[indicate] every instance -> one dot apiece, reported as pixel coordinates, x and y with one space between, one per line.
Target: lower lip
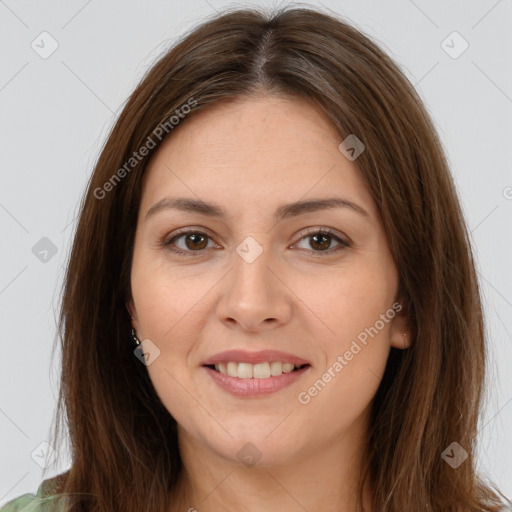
255 387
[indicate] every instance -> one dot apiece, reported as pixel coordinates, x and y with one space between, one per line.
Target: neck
321 477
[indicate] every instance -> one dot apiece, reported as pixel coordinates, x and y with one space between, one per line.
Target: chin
257 447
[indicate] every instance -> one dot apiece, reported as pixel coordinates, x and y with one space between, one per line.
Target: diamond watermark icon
454 45
249 455
44 45
44 250
44 455
454 455
352 147
147 352
249 249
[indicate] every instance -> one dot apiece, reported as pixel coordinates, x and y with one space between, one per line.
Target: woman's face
255 275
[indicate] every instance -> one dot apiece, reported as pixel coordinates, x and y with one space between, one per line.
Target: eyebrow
284 211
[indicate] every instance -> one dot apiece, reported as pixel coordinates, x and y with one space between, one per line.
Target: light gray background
56 113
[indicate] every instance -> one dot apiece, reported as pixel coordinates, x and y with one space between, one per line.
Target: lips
254 387
263 356
258 374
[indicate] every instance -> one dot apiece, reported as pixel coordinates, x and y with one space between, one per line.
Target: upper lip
263 356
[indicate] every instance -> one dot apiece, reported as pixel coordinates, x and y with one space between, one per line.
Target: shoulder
42 501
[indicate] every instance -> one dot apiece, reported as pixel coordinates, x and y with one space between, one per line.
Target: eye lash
343 244
167 242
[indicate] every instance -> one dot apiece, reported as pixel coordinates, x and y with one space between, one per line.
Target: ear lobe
401 340
401 336
130 307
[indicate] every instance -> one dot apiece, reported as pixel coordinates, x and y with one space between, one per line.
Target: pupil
194 239
325 237
321 245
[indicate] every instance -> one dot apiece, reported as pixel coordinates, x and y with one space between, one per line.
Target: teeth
260 371
288 367
276 368
256 371
232 369
244 370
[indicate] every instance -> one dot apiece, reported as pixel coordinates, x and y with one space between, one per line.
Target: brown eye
197 241
194 242
321 240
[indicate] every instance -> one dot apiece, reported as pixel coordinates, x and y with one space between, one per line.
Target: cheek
172 310
349 300
343 388
348 393
164 296
356 315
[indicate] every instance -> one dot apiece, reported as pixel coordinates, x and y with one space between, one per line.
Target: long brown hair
123 441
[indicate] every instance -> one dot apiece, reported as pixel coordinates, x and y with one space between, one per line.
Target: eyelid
343 240
329 231
166 240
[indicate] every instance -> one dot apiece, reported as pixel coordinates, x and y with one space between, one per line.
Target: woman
271 301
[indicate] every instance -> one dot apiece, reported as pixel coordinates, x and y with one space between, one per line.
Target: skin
250 156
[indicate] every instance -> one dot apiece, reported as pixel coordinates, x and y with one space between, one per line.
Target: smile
250 386
251 374
255 371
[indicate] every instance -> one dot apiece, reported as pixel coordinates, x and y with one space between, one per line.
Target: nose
255 296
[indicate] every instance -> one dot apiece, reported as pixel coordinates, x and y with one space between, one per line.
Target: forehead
260 151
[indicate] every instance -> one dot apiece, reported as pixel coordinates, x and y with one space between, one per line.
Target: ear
400 331
130 306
